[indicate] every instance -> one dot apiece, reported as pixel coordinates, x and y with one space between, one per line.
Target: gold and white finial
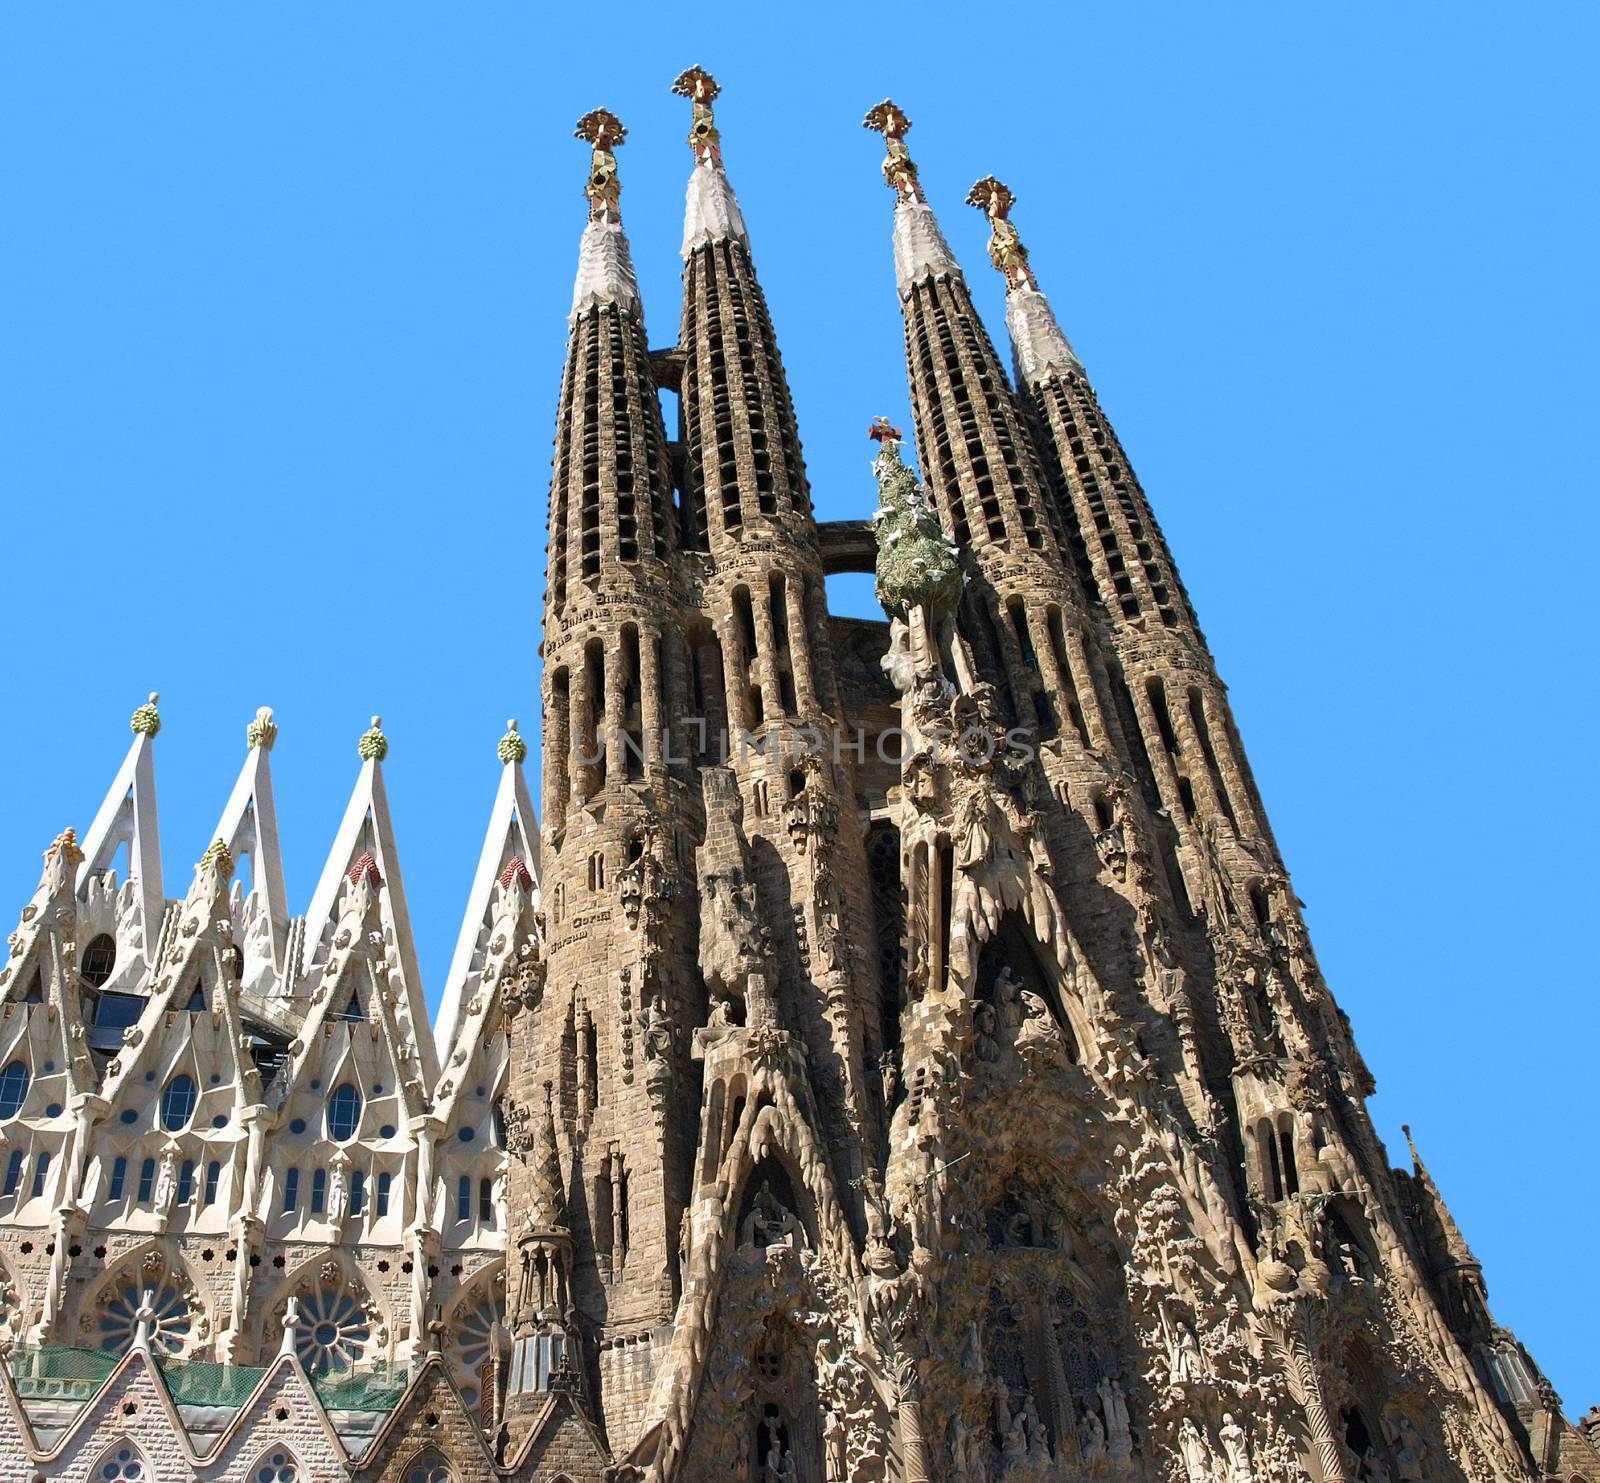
261 733
374 745
146 721
512 748
995 199
603 131
701 89
899 169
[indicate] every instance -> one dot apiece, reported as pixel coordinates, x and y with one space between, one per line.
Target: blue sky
282 310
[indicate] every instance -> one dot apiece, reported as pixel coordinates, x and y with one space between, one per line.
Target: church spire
605 266
1036 339
920 250
711 211
128 817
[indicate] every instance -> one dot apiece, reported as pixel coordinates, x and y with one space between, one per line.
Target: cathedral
892 1053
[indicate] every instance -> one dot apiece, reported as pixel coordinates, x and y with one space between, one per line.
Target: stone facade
898 1057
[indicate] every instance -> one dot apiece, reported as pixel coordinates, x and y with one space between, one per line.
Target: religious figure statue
768 1223
1195 1451
1236 1448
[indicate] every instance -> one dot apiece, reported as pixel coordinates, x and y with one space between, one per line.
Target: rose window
278 1467
122 1466
333 1331
119 1317
472 1328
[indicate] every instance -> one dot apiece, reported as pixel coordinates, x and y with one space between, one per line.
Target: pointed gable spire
605 266
1448 1233
920 250
711 211
510 856
364 856
249 826
1037 339
128 816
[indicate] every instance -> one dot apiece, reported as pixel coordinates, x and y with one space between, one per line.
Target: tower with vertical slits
895 1054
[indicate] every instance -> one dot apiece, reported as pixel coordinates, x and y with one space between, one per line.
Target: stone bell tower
602 1091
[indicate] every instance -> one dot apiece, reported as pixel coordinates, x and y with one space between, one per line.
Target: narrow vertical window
358 1192
464 1197
486 1202
383 1194
119 1177
291 1190
213 1175
186 1182
41 1167
319 1191
13 1171
147 1181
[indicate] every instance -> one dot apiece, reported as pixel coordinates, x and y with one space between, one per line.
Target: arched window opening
358 1192
1291 1174
147 1181
591 719
99 958
429 1468
186 1182
177 1103
14 1081
633 738
213 1176
14 1163
119 1178
1157 695
384 1181
889 923
278 1466
122 1464
319 1191
291 1190
591 1062
344 1112
1267 1156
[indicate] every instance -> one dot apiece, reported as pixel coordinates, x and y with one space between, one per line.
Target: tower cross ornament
604 132
899 170
701 88
995 199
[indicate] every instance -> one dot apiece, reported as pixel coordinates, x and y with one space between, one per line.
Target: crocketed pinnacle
916 565
605 266
711 211
146 721
1036 339
548 1207
920 250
